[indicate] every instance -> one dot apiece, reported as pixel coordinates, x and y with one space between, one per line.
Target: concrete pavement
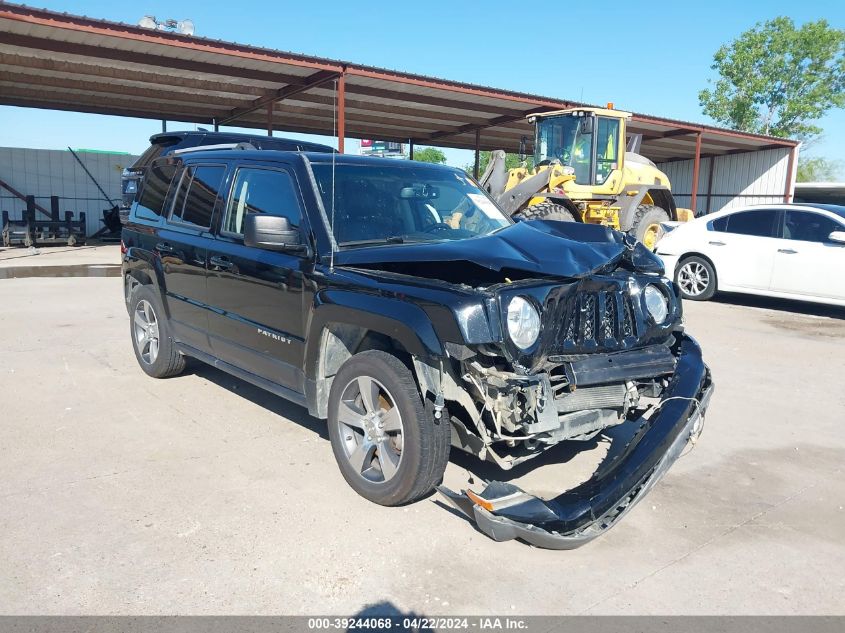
120 494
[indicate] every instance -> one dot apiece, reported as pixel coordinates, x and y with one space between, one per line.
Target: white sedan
790 251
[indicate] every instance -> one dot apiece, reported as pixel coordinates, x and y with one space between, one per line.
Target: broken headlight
656 304
523 322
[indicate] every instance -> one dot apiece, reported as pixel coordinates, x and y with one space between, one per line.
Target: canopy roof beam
312 81
500 120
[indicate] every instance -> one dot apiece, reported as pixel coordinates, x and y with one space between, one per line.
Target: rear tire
646 225
149 329
388 446
546 211
696 278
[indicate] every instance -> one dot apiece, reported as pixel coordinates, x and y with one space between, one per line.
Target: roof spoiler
203 148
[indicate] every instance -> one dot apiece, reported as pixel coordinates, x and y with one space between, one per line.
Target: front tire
388 446
646 225
152 342
696 278
546 211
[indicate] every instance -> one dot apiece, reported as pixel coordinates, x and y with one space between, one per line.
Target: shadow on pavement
560 454
273 403
406 620
478 471
781 305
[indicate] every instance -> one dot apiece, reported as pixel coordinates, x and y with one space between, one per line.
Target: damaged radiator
603 397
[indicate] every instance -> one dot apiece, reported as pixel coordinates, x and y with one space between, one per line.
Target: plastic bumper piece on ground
633 465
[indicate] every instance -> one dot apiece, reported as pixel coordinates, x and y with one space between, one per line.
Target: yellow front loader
586 170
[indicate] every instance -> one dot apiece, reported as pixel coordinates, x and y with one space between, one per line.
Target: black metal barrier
31 232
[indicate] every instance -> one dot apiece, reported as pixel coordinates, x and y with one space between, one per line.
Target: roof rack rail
203 148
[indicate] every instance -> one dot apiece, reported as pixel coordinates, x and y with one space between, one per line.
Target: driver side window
261 190
607 148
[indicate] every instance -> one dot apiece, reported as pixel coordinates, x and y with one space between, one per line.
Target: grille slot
600 319
588 318
628 320
608 320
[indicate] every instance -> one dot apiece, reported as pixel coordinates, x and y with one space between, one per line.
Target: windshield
564 138
398 203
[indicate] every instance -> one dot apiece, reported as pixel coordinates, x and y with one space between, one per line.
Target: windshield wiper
393 239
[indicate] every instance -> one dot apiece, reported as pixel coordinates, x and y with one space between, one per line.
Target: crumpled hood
564 249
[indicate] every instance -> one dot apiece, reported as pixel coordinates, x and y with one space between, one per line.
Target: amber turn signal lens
487 505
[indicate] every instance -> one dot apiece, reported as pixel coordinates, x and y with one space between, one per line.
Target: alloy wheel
693 278
145 325
370 428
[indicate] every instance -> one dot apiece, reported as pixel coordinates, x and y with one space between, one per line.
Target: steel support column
411 149
163 125
710 184
341 110
788 188
696 166
216 126
270 119
477 162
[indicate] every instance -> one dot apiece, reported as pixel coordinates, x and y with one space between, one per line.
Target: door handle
164 247
220 262
716 243
787 251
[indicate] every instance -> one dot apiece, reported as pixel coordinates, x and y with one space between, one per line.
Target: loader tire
646 225
546 211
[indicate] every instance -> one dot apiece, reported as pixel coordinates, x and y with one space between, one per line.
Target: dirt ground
120 494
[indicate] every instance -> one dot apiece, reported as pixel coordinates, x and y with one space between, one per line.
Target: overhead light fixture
185 27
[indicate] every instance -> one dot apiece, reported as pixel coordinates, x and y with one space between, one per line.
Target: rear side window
257 190
154 192
808 226
197 195
760 223
150 154
720 224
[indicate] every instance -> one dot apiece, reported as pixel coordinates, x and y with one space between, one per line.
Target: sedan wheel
696 279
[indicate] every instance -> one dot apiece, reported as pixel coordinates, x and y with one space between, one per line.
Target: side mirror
522 143
587 125
837 236
271 233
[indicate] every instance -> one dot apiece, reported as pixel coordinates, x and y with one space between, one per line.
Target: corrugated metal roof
68 62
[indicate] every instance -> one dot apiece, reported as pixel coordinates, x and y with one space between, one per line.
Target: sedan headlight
523 322
656 304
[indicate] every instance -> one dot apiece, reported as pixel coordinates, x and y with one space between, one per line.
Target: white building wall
45 172
738 179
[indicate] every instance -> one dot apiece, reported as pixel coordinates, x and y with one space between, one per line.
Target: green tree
430 155
818 169
777 79
511 161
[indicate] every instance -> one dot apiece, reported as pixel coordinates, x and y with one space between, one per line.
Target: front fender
400 320
659 194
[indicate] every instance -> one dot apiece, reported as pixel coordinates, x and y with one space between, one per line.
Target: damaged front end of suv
593 345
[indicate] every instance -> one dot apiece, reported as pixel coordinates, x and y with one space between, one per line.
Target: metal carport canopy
68 62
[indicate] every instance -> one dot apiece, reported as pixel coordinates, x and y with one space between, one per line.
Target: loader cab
590 141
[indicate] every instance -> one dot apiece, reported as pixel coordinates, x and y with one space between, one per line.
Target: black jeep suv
396 300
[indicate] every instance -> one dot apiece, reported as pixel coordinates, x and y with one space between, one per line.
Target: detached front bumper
633 465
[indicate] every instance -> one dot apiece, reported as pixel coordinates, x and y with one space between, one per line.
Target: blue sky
650 57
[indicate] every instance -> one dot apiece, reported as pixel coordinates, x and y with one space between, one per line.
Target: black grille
602 319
